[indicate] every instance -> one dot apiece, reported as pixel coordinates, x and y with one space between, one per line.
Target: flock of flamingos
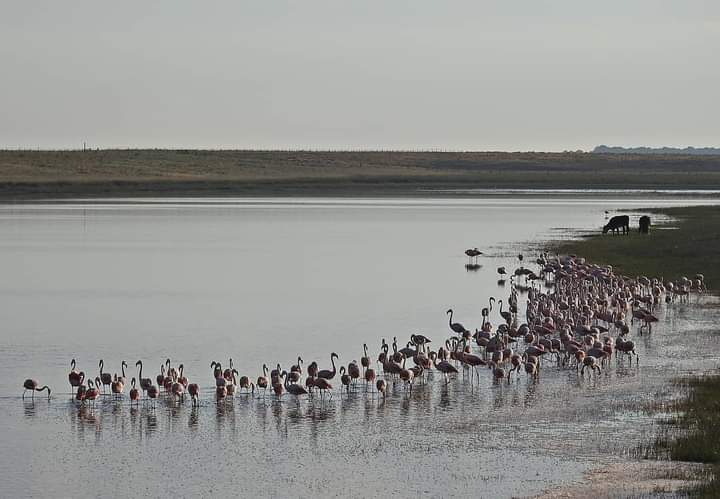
580 322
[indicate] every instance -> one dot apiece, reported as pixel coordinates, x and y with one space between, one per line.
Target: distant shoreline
32 175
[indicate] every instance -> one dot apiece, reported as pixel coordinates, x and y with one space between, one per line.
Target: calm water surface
266 280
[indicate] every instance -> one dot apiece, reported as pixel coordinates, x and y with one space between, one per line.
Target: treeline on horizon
689 151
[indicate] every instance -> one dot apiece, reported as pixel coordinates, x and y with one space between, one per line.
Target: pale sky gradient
475 75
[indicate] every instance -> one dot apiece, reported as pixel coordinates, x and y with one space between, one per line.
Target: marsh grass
352 173
698 438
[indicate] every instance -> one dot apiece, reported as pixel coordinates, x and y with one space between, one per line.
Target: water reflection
194 419
349 443
29 406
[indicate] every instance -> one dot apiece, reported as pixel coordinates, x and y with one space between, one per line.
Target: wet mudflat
266 281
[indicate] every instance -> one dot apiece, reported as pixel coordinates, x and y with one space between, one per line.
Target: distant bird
520 257
501 271
32 385
472 254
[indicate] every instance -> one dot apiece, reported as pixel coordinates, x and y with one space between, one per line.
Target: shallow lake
266 280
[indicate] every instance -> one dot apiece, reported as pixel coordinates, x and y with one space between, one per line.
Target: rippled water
263 281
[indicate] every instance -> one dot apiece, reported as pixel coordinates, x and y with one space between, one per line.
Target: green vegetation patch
689 244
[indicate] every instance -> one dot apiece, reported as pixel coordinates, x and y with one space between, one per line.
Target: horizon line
301 149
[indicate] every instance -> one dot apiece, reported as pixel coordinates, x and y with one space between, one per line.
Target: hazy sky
477 75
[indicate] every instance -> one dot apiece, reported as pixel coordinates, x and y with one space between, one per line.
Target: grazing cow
617 223
644 227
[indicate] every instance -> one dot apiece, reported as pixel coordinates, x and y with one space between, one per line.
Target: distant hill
691 151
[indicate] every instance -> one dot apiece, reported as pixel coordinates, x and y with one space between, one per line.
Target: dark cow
644 227
620 222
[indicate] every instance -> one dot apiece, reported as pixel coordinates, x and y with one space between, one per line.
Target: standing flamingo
326 373
80 394
145 383
217 369
194 391
323 385
505 314
369 377
444 367
152 392
123 365
181 378
262 381
365 360
382 387
178 390
106 378
456 327
220 393
75 378
134 393
160 378
32 385
297 368
344 379
117 386
278 387
354 371
93 392
293 389
244 382
228 373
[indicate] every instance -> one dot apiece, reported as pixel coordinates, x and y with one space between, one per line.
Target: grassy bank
697 416
686 245
38 174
